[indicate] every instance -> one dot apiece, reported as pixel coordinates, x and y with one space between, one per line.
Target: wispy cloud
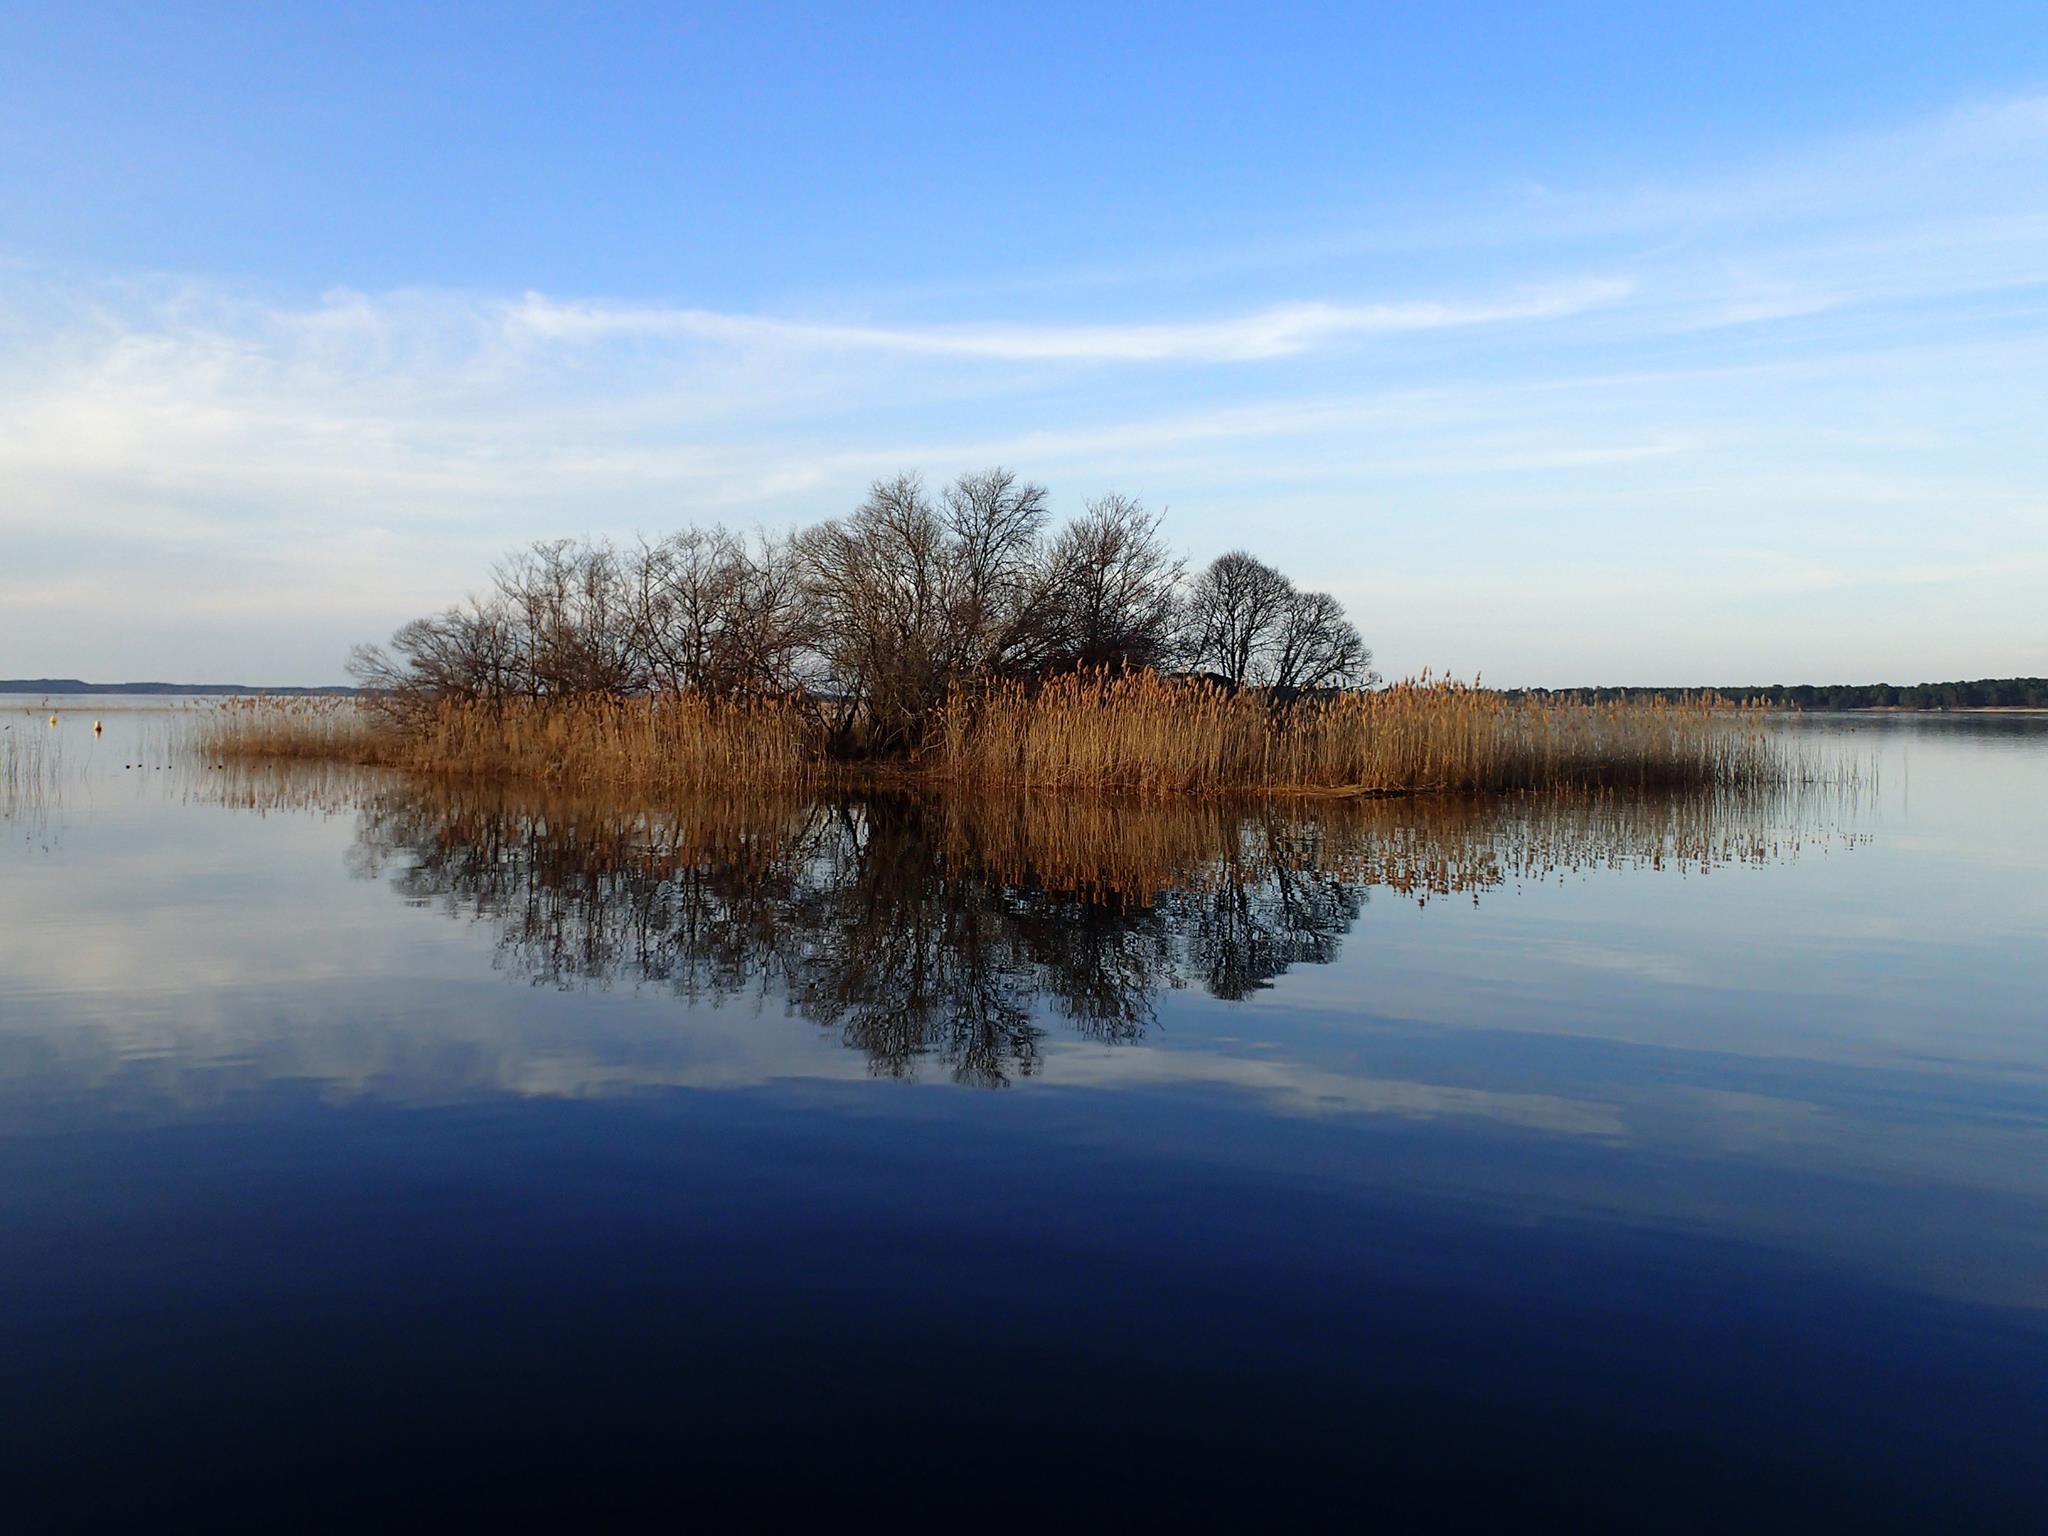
1282 331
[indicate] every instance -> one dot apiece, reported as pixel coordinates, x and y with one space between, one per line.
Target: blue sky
1581 343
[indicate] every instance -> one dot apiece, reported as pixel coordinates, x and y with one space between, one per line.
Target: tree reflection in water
946 929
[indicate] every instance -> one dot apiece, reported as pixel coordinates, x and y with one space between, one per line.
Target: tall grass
31 767
1140 735
1146 734
689 742
317 727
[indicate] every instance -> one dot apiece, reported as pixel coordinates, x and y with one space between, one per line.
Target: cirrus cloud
1281 331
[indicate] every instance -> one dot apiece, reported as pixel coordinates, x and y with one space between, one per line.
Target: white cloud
1282 331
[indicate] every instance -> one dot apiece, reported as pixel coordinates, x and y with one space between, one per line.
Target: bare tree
774 635
715 613
877 588
1113 590
909 596
994 521
1237 605
1252 626
684 590
573 618
466 652
1313 646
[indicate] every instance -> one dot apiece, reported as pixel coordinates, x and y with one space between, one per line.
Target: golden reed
1132 734
686 742
1145 734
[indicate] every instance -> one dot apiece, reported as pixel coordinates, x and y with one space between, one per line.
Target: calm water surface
371 1154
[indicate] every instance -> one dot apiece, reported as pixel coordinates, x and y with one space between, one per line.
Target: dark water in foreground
369 1156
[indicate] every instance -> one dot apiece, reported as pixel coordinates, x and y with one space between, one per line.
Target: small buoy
53 719
96 727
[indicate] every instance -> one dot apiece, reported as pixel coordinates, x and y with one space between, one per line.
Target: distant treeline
1984 693
74 685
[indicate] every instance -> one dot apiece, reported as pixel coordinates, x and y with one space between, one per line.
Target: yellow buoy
53 719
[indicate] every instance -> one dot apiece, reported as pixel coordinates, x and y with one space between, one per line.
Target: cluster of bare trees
701 610
878 614
1254 628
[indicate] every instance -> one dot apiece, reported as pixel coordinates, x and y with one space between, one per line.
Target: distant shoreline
1937 709
73 685
1982 695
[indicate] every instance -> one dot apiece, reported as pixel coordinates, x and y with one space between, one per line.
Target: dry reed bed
1152 735
687 742
1139 735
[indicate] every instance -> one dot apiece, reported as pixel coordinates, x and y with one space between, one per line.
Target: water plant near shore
31 767
1140 734
1148 734
678 741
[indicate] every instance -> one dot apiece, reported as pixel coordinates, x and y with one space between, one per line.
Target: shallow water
367 1149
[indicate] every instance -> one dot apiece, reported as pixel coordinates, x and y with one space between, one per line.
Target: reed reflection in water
951 930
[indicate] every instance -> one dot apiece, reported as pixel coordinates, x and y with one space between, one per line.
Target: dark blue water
370 1155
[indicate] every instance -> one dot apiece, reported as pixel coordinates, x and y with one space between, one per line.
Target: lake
371 1151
